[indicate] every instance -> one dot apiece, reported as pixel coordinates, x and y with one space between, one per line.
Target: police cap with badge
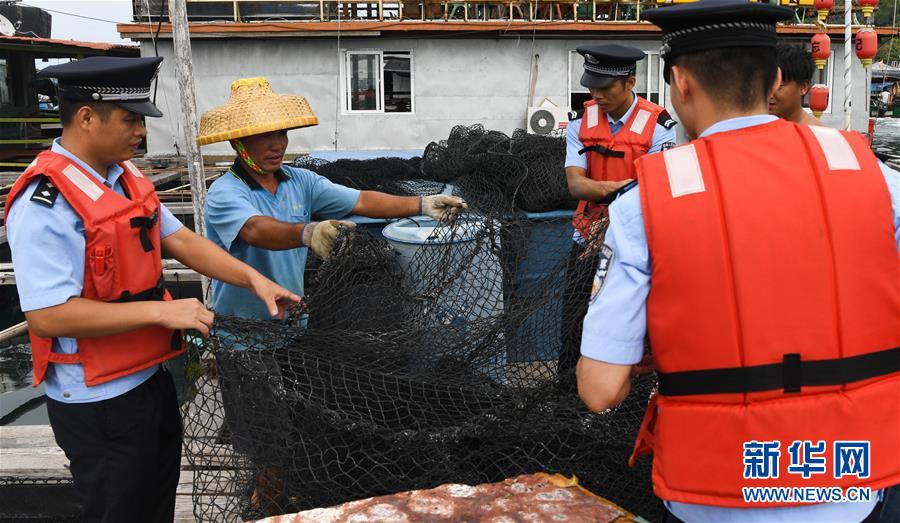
604 63
125 82
715 24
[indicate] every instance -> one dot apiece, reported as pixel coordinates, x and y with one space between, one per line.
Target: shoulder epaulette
45 192
665 120
574 115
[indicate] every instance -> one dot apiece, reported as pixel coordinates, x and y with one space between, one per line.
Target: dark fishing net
431 360
397 176
532 176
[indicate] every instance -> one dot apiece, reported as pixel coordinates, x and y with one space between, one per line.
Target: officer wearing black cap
86 231
741 254
603 140
124 82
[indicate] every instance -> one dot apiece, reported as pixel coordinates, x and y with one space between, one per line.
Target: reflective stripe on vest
611 157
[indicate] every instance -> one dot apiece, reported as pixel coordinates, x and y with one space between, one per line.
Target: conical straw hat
254 109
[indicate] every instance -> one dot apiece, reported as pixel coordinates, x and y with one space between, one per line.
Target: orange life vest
611 157
122 263
774 311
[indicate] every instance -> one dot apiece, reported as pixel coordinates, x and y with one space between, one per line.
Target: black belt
145 223
604 151
789 375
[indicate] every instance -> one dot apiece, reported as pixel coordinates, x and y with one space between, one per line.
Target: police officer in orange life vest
86 231
603 140
773 298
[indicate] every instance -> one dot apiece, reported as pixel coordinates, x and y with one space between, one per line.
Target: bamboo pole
12 332
181 39
848 64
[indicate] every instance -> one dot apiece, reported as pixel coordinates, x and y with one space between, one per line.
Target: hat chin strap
248 160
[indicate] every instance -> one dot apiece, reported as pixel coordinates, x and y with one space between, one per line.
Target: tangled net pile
416 367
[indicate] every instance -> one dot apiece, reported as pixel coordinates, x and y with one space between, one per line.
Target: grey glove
442 207
320 236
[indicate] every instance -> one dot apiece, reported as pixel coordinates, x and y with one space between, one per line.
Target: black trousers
125 452
575 299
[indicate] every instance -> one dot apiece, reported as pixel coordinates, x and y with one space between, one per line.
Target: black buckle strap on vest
156 293
604 151
145 223
790 375
177 336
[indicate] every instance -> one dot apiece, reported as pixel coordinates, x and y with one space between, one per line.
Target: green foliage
883 49
884 15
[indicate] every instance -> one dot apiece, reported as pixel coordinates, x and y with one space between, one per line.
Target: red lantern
818 99
866 45
822 7
821 49
867 6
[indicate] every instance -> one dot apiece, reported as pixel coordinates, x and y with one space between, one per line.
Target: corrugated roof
44 45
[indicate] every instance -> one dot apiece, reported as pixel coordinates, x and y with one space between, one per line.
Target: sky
69 27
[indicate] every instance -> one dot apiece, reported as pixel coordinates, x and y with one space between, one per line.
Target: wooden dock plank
30 451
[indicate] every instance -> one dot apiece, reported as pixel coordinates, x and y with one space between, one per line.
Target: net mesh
417 364
397 176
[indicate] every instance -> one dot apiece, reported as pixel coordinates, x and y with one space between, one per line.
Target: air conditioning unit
546 118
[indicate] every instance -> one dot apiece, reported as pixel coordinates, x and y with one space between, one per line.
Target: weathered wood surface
173 271
30 451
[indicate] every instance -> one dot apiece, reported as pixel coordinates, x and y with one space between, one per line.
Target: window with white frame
578 94
379 81
5 98
647 80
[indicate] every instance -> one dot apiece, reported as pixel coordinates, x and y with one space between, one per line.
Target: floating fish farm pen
426 354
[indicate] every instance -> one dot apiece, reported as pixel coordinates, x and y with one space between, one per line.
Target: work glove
442 207
320 236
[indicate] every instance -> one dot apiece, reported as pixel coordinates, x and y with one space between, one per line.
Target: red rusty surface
71 44
531 498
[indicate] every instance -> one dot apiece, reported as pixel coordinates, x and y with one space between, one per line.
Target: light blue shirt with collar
301 197
616 323
47 245
661 135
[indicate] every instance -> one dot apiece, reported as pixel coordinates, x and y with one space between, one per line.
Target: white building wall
456 82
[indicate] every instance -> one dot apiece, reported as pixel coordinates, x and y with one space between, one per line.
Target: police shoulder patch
666 146
45 193
574 115
665 120
604 261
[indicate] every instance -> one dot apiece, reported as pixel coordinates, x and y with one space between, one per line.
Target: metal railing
425 10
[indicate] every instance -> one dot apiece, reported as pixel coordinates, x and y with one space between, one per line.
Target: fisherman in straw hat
262 211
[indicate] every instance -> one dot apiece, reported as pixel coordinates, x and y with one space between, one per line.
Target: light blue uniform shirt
47 245
661 135
236 197
616 322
